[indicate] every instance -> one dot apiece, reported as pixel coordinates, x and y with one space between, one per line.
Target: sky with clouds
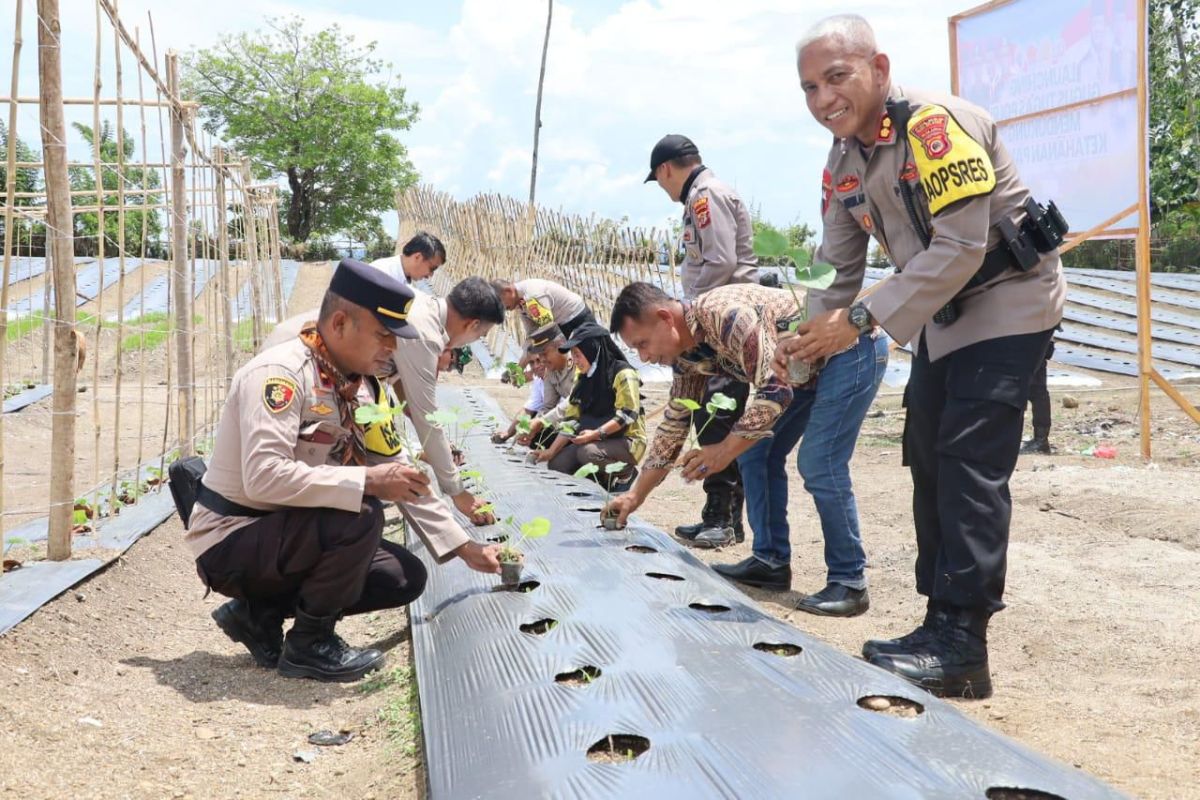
620 74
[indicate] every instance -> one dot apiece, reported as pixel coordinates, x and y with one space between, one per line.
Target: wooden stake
59 240
180 272
1145 364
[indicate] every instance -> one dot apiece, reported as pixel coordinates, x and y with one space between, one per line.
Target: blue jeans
834 412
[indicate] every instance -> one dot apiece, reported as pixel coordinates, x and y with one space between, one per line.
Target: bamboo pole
120 365
1145 364
182 280
276 264
58 235
101 240
10 185
225 294
141 430
249 230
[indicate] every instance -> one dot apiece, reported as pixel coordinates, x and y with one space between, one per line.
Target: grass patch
243 335
23 326
154 328
400 713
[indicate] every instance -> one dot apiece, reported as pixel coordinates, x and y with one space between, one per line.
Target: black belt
220 504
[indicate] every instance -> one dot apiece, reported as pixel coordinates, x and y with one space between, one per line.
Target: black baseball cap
381 294
673 145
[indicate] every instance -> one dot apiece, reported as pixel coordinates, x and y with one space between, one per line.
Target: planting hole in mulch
580 494
524 587
580 677
778 649
590 509
1005 793
539 627
890 704
498 539
709 608
617 748
664 576
640 548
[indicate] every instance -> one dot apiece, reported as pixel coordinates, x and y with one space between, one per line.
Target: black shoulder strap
900 113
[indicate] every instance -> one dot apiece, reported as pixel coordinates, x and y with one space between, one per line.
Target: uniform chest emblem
931 132
847 184
321 408
868 224
909 173
278 394
700 211
826 190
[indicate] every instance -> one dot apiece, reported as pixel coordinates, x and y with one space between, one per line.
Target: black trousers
728 480
574 322
1039 394
324 560
962 434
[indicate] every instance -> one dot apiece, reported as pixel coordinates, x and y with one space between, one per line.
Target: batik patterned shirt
735 328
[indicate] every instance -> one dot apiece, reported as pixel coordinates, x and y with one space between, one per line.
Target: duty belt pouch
184 476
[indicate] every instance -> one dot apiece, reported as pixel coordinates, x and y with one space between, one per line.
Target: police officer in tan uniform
288 517
540 302
718 251
978 291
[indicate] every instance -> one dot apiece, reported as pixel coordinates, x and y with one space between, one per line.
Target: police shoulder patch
278 393
952 165
701 212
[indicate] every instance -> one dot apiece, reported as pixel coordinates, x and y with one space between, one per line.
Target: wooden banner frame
1147 374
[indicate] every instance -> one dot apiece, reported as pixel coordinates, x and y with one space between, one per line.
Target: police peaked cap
381 294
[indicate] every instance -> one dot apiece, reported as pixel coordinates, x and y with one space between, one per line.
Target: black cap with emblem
673 145
381 294
540 339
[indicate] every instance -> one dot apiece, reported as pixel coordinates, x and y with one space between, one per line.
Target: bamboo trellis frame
200 193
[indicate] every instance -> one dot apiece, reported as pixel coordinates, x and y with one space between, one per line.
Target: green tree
28 179
798 235
1174 109
135 177
310 107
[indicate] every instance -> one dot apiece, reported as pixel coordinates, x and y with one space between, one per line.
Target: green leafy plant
771 244
516 374
611 472
718 402
536 528
376 413
568 427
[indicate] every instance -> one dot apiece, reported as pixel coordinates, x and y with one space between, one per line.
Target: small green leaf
615 467
79 517
372 413
470 473
818 276
441 418
800 257
586 471
486 508
720 402
690 405
535 528
770 244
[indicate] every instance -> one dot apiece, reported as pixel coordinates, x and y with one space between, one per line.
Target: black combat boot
689 532
1040 443
717 530
256 624
739 505
953 662
902 644
313 650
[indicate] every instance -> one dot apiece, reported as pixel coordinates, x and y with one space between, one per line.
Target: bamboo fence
155 377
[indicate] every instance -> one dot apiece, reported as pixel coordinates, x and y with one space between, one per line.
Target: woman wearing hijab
607 406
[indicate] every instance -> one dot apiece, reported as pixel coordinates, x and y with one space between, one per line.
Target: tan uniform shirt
415 379
557 386
276 451
717 237
544 302
861 199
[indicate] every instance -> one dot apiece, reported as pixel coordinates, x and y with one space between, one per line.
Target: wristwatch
860 318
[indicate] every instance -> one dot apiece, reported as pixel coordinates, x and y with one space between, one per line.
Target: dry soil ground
124 687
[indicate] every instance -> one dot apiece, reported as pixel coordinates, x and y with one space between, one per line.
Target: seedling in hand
511 557
609 521
718 402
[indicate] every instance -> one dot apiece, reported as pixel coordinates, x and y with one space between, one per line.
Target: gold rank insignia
886 131
321 408
278 394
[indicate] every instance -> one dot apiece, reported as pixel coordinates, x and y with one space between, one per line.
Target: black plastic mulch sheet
731 702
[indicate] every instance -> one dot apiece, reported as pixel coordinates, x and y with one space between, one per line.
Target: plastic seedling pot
610 522
510 572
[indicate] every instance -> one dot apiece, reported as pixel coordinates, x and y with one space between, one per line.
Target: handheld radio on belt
1021 244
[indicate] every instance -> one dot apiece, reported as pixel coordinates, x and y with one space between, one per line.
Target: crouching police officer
978 291
288 519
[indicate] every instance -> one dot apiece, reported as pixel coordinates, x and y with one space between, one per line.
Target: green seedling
718 402
568 427
771 244
611 471
376 413
516 374
524 424
536 528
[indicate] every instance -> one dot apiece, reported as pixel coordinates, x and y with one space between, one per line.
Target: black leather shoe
954 660
312 650
261 632
753 572
836 600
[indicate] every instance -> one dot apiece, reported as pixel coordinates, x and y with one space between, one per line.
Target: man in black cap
558 380
288 518
718 248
